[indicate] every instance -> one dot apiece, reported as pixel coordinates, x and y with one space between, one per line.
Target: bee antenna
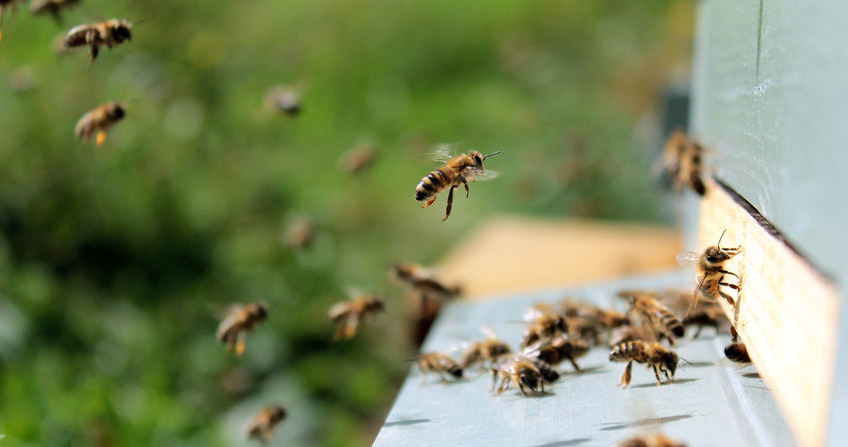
493 153
718 244
687 361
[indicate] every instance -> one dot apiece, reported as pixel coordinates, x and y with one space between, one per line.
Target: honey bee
240 321
52 7
653 354
423 282
358 159
4 5
300 233
110 33
712 273
348 314
435 362
555 350
654 440
456 172
261 426
545 326
655 315
682 161
523 373
283 100
484 351
99 121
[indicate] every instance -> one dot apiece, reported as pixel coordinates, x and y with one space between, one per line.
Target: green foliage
116 262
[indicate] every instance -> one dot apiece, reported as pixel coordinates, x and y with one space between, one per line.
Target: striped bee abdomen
626 351
671 322
431 184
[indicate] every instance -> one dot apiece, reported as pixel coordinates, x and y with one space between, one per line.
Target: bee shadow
699 364
566 443
405 422
518 396
752 375
586 371
610 426
654 385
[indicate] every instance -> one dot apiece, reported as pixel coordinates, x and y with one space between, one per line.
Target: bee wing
473 174
442 154
337 310
688 258
490 332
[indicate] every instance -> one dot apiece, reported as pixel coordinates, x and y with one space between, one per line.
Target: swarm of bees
348 314
110 33
457 171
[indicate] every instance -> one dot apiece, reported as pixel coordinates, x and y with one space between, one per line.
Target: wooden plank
713 402
512 254
787 311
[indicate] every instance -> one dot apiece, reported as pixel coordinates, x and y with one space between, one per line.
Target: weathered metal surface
713 401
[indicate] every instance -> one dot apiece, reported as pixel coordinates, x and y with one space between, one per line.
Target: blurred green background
116 262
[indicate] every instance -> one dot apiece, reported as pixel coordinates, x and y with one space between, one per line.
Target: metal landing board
712 403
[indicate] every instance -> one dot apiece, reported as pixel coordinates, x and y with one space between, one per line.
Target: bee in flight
4 5
358 159
457 171
712 272
261 426
283 100
348 314
99 121
52 7
110 33
240 321
682 160
653 354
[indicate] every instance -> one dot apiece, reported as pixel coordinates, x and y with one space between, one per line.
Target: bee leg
729 273
93 51
430 202
625 378
657 375
698 332
450 204
465 183
728 298
732 286
240 345
574 364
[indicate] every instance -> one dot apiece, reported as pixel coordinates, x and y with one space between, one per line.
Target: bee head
669 361
378 303
117 110
476 157
499 349
716 255
278 413
123 30
530 377
260 311
456 372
